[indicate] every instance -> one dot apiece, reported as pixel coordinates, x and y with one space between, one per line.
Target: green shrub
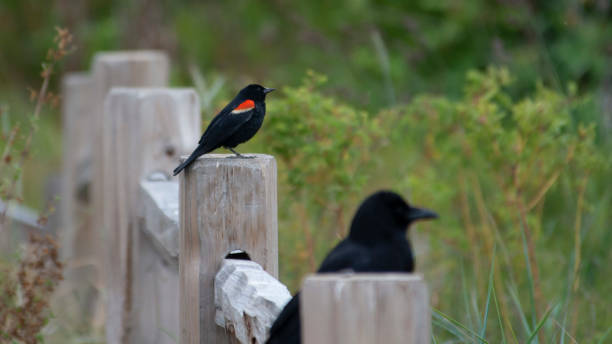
509 176
517 181
323 147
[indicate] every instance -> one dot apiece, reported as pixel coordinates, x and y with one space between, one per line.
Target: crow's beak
421 214
268 90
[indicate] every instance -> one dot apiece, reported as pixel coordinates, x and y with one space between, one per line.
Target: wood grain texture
78 239
76 234
160 216
156 302
155 313
225 204
115 69
248 300
143 132
365 308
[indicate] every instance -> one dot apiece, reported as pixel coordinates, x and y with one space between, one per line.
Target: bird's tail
196 153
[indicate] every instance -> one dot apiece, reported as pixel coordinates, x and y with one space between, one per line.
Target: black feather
229 129
376 243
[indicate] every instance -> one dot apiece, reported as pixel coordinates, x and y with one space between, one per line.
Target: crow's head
384 213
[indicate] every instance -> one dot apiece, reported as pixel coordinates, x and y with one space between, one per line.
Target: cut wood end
248 299
229 158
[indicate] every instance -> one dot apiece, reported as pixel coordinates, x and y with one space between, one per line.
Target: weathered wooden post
143 132
76 234
247 300
365 308
81 234
156 310
225 204
115 69
77 115
118 69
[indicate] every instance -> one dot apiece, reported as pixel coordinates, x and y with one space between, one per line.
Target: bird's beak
421 214
268 90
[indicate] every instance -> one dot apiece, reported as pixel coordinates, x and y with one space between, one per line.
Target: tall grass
519 183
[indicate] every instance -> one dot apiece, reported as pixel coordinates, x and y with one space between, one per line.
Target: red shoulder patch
245 105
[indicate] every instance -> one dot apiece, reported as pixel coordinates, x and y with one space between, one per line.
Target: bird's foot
239 156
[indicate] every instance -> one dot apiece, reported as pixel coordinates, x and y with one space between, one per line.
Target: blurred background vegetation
497 114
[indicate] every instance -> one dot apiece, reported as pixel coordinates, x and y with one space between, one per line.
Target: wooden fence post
78 91
247 300
225 204
144 131
115 69
119 69
76 235
156 310
365 308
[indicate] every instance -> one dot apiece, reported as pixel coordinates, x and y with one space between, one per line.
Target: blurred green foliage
521 177
514 158
323 147
518 180
374 52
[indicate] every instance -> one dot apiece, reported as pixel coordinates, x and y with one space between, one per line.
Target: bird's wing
347 255
286 327
222 127
227 121
381 257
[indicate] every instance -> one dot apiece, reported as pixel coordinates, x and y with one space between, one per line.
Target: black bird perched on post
235 124
376 243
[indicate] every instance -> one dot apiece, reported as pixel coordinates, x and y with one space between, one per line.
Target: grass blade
459 325
564 331
466 297
529 275
601 341
438 321
517 303
499 318
490 288
539 326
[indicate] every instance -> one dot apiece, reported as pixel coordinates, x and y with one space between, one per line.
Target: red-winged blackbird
376 243
235 124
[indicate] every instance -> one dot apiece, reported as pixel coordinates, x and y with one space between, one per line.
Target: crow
376 243
235 124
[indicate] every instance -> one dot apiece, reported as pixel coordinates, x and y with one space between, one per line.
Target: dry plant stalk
25 291
11 168
25 295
